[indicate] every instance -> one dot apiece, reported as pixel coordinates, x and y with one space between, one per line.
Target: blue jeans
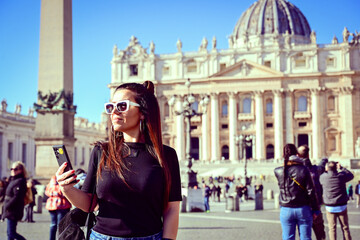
290 218
98 236
206 203
56 216
11 230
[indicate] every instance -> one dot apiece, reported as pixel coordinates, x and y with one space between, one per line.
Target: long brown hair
115 150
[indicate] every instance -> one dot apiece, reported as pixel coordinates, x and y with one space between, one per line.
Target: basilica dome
272 17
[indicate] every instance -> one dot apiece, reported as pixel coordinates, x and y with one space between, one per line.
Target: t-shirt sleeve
175 188
90 179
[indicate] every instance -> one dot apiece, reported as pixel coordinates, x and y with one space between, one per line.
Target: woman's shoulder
168 149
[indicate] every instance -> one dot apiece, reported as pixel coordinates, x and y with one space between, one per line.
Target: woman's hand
66 180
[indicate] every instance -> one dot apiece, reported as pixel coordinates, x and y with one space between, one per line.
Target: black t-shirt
136 211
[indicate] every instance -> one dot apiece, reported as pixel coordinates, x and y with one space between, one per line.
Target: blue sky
98 25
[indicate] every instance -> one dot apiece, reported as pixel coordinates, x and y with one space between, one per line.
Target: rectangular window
166 71
82 156
330 62
224 126
133 70
300 62
75 156
10 151
267 64
269 125
24 153
302 124
222 66
193 127
192 69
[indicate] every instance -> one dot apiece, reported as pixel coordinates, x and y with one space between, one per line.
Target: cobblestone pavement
246 224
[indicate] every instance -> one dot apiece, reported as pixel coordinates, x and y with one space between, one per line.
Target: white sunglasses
121 106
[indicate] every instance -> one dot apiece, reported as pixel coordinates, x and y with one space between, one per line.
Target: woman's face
126 122
15 170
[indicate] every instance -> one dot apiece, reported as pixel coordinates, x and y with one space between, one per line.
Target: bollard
259 200
276 198
38 202
183 204
270 194
236 202
229 204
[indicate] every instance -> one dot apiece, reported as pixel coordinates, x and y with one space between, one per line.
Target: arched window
224 109
247 105
302 104
225 152
166 109
269 106
331 103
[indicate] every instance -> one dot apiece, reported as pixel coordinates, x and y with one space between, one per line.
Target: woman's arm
77 197
171 220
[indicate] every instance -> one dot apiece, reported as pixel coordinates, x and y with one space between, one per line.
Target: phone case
62 156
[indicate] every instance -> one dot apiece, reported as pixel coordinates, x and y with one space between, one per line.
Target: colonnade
284 126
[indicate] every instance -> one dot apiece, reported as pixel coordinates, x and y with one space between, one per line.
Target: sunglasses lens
121 106
109 108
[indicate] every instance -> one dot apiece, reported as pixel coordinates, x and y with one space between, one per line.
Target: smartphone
62 157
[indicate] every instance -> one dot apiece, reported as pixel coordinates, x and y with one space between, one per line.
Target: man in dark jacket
315 172
335 197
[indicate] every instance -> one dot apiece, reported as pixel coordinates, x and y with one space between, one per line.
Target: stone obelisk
54 107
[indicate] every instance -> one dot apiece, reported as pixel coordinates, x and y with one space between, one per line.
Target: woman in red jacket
57 204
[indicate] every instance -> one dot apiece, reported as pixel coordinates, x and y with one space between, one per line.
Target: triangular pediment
247 69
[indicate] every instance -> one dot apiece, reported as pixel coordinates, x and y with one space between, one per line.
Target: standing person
2 197
297 196
357 193
350 192
315 172
218 192
30 207
207 194
137 179
335 197
57 204
14 199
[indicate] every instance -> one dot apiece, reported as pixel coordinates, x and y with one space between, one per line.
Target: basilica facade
273 85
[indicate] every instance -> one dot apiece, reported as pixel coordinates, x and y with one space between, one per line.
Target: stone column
316 124
289 117
215 141
204 133
55 119
180 132
259 121
278 124
232 127
347 125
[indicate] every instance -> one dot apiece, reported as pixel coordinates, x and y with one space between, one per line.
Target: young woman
297 196
14 199
137 179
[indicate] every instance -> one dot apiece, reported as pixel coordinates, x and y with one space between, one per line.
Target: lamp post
188 112
244 141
